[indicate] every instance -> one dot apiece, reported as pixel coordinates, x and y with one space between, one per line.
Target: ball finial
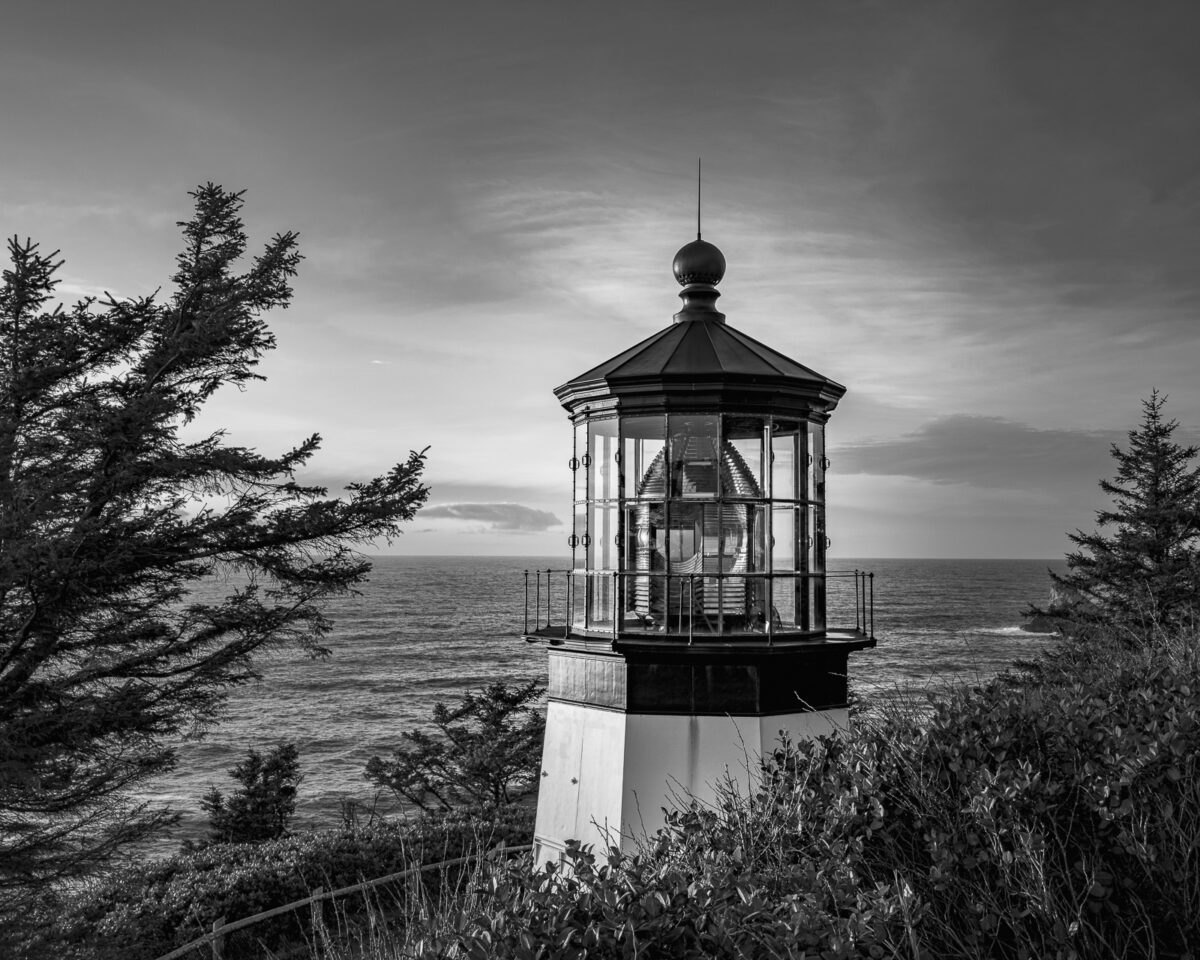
698 262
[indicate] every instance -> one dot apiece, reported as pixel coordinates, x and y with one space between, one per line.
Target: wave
1014 632
960 632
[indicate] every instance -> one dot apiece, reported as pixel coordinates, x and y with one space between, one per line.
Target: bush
262 806
148 910
486 754
1056 814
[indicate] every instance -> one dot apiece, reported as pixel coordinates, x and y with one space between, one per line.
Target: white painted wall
602 769
580 793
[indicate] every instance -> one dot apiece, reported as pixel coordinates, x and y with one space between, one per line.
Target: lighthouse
691 632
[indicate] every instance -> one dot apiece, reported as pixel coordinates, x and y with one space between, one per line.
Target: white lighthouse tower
692 628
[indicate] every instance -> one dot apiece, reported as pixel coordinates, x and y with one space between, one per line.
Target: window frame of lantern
637 439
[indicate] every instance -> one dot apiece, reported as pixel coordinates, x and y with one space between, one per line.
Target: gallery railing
698 606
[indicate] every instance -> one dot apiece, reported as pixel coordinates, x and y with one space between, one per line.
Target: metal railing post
691 607
770 598
315 911
614 606
218 940
537 603
679 612
858 625
872 604
863 585
548 601
526 601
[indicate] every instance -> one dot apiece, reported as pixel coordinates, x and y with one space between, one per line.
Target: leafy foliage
1146 573
145 911
487 752
111 507
262 807
1051 815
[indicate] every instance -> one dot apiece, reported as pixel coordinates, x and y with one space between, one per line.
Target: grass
146 910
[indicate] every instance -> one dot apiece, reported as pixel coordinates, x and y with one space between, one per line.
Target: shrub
262 806
1051 815
148 910
487 752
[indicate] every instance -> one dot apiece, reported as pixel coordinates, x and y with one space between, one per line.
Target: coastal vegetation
145 910
264 801
113 502
1054 812
1051 812
485 753
1139 572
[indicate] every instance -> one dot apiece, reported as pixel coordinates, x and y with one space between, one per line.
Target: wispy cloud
465 491
985 452
507 517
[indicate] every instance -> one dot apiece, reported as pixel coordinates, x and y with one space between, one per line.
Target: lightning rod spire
697 198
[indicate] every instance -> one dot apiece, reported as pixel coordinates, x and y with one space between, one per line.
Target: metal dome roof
703 364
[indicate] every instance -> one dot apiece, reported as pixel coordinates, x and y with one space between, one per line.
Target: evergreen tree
1145 573
262 806
110 512
487 752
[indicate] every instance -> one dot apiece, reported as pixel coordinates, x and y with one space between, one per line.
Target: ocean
426 629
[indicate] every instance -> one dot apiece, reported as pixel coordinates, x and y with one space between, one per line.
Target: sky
983 218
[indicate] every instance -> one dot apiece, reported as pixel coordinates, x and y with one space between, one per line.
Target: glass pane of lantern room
686 543
643 462
645 537
783 562
785 435
579 473
745 456
819 538
602 560
819 462
804 562
578 599
602 595
602 547
693 455
805 471
818 566
579 551
602 455
645 565
685 538
743 556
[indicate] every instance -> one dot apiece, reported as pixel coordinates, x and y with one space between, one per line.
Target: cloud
985 452
509 517
462 491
